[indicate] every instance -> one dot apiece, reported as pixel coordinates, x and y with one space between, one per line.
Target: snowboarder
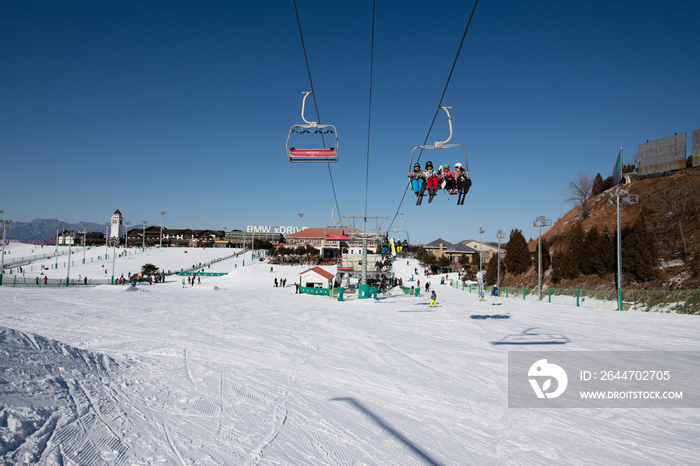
183 282
433 299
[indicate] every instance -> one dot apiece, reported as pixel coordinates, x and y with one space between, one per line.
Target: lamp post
481 232
56 253
161 212
114 256
500 236
143 235
301 214
106 233
5 226
126 233
70 247
618 198
85 225
539 223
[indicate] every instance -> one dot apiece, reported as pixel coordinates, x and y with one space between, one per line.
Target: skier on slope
433 299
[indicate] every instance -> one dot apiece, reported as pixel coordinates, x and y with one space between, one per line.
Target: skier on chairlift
431 177
417 179
463 183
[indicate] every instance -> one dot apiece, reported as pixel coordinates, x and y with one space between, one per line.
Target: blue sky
185 106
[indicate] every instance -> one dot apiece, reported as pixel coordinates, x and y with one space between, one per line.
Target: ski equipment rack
312 155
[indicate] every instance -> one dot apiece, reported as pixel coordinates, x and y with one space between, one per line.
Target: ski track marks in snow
235 371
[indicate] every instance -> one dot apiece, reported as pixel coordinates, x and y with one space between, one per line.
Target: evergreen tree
421 254
444 262
557 273
640 254
491 275
546 256
597 185
572 255
517 257
607 183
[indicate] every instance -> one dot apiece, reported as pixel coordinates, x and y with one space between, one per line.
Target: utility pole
539 223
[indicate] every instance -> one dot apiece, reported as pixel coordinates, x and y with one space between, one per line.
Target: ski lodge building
329 240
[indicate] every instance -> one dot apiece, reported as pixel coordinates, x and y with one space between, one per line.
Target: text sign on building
272 229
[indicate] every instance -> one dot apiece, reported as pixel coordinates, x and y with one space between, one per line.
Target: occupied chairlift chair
312 127
443 145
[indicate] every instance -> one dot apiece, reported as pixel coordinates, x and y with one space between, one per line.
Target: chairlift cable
318 117
369 117
437 110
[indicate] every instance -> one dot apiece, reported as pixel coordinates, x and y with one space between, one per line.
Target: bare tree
579 192
677 199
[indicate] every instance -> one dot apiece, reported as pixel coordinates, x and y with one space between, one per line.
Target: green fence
317 291
677 301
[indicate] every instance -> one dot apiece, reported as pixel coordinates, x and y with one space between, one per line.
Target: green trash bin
363 291
340 293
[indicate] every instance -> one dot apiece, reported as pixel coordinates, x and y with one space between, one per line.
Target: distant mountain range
45 228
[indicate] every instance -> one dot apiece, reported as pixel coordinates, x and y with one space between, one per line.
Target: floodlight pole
143 235
500 236
539 223
56 253
85 225
301 214
5 226
481 232
161 212
126 233
621 197
70 247
106 232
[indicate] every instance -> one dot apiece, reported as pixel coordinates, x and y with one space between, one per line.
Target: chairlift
312 127
443 145
335 225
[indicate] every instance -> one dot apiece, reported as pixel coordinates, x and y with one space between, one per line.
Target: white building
117 222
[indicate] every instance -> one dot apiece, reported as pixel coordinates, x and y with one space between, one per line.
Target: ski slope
236 371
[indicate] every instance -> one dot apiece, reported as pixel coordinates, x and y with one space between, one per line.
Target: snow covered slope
237 371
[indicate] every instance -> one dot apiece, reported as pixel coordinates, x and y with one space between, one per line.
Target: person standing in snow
433 299
183 282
